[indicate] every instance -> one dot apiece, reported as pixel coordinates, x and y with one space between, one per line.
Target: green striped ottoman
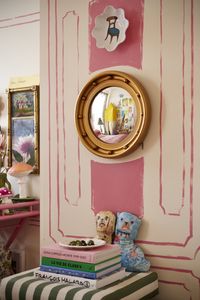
24 286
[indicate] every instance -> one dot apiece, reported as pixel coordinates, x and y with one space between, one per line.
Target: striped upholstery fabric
24 286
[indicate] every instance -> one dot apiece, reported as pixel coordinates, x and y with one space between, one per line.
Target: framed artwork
23 126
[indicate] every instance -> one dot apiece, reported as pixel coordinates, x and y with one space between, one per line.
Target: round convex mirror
112 114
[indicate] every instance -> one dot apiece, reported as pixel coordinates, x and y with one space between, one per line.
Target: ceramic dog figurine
105 225
126 227
132 256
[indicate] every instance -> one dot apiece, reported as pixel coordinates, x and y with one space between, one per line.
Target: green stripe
24 287
89 294
70 294
11 282
38 290
55 290
131 288
124 291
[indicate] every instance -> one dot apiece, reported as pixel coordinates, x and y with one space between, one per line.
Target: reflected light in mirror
112 114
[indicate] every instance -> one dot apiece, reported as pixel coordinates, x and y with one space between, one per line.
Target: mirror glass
112 114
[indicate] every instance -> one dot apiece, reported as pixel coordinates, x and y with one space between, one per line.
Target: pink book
91 256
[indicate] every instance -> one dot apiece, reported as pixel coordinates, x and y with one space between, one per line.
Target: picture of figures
22 104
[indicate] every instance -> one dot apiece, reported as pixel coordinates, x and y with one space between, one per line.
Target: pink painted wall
118 186
128 53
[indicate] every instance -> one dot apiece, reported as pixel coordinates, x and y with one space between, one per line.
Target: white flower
25 146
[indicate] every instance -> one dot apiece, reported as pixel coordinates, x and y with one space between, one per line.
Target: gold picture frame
23 126
126 138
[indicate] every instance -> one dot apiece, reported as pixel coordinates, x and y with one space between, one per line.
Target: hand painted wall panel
118 187
165 174
127 53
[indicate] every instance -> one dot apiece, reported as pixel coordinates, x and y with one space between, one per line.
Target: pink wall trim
21 16
58 197
129 52
18 20
165 211
175 283
186 271
49 117
176 270
63 104
19 24
118 186
190 221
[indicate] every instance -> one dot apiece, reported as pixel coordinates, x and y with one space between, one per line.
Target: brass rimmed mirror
112 114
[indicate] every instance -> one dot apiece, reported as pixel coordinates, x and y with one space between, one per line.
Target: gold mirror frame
82 114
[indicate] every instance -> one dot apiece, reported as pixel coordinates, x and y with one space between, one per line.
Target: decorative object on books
95 255
21 171
96 243
133 258
105 225
81 281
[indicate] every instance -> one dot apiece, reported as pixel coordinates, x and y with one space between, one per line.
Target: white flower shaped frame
110 28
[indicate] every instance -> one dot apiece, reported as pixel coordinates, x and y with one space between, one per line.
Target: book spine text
71 280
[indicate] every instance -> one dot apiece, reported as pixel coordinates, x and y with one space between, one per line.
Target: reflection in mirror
112 114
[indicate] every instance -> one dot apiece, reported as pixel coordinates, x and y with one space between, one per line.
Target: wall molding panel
159 182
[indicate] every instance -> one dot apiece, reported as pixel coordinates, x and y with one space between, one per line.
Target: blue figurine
132 256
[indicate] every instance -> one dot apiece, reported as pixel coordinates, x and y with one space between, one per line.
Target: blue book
90 275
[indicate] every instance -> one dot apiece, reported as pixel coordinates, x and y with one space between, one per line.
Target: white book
80 281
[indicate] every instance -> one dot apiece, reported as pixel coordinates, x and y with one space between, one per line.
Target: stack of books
92 268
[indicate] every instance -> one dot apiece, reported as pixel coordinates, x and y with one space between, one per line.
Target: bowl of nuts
84 244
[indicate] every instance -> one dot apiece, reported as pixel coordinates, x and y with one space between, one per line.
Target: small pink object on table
4 192
4 195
